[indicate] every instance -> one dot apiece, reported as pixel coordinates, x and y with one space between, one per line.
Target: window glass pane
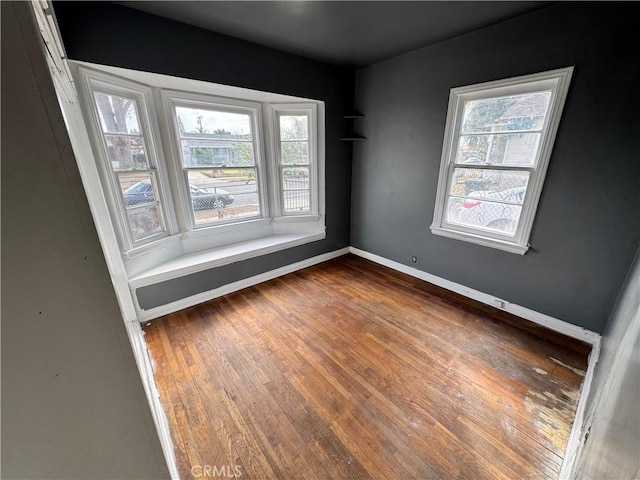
213 122
294 127
454 205
296 201
504 149
137 188
484 214
515 112
210 151
295 178
117 114
295 185
295 153
246 205
145 221
223 194
504 185
126 152
213 138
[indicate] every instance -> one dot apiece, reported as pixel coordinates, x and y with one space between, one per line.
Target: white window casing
264 222
94 82
497 144
307 180
171 100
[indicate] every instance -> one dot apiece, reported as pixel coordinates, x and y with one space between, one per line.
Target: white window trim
172 99
557 81
311 112
248 235
91 81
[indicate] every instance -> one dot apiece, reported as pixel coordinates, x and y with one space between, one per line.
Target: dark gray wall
587 226
114 35
72 402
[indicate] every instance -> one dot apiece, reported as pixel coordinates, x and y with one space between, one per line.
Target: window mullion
492 166
492 200
502 132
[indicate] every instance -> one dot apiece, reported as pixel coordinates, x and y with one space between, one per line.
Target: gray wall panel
73 405
182 287
612 449
586 230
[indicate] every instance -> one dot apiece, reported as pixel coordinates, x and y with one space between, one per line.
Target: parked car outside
486 212
202 198
209 198
139 193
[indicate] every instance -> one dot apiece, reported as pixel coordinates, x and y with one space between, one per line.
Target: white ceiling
350 33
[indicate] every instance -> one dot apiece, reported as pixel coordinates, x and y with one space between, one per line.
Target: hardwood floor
352 370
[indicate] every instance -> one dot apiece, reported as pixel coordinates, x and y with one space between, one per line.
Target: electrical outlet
414 259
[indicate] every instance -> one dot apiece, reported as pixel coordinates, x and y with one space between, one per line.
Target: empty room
320 239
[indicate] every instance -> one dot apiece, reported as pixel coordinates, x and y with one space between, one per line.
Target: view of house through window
497 146
496 132
218 157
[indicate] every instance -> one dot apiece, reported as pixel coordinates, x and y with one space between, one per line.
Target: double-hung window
190 167
218 146
498 141
295 152
124 129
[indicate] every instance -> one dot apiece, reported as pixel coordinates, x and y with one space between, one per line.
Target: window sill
216 257
297 218
510 247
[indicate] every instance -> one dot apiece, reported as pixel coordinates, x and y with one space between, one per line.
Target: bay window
192 167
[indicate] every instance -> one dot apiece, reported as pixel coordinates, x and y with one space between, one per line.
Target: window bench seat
216 257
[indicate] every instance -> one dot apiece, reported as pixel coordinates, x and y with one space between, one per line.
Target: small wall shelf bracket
351 135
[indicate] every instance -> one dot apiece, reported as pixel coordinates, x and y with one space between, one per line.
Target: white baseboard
145 369
577 430
551 323
146 315
611 379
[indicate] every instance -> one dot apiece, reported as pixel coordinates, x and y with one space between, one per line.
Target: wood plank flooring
351 370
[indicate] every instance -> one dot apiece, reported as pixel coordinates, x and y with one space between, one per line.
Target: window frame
245 238
311 112
174 98
555 81
92 82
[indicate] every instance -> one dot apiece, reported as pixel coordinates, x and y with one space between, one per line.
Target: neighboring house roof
215 140
532 105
